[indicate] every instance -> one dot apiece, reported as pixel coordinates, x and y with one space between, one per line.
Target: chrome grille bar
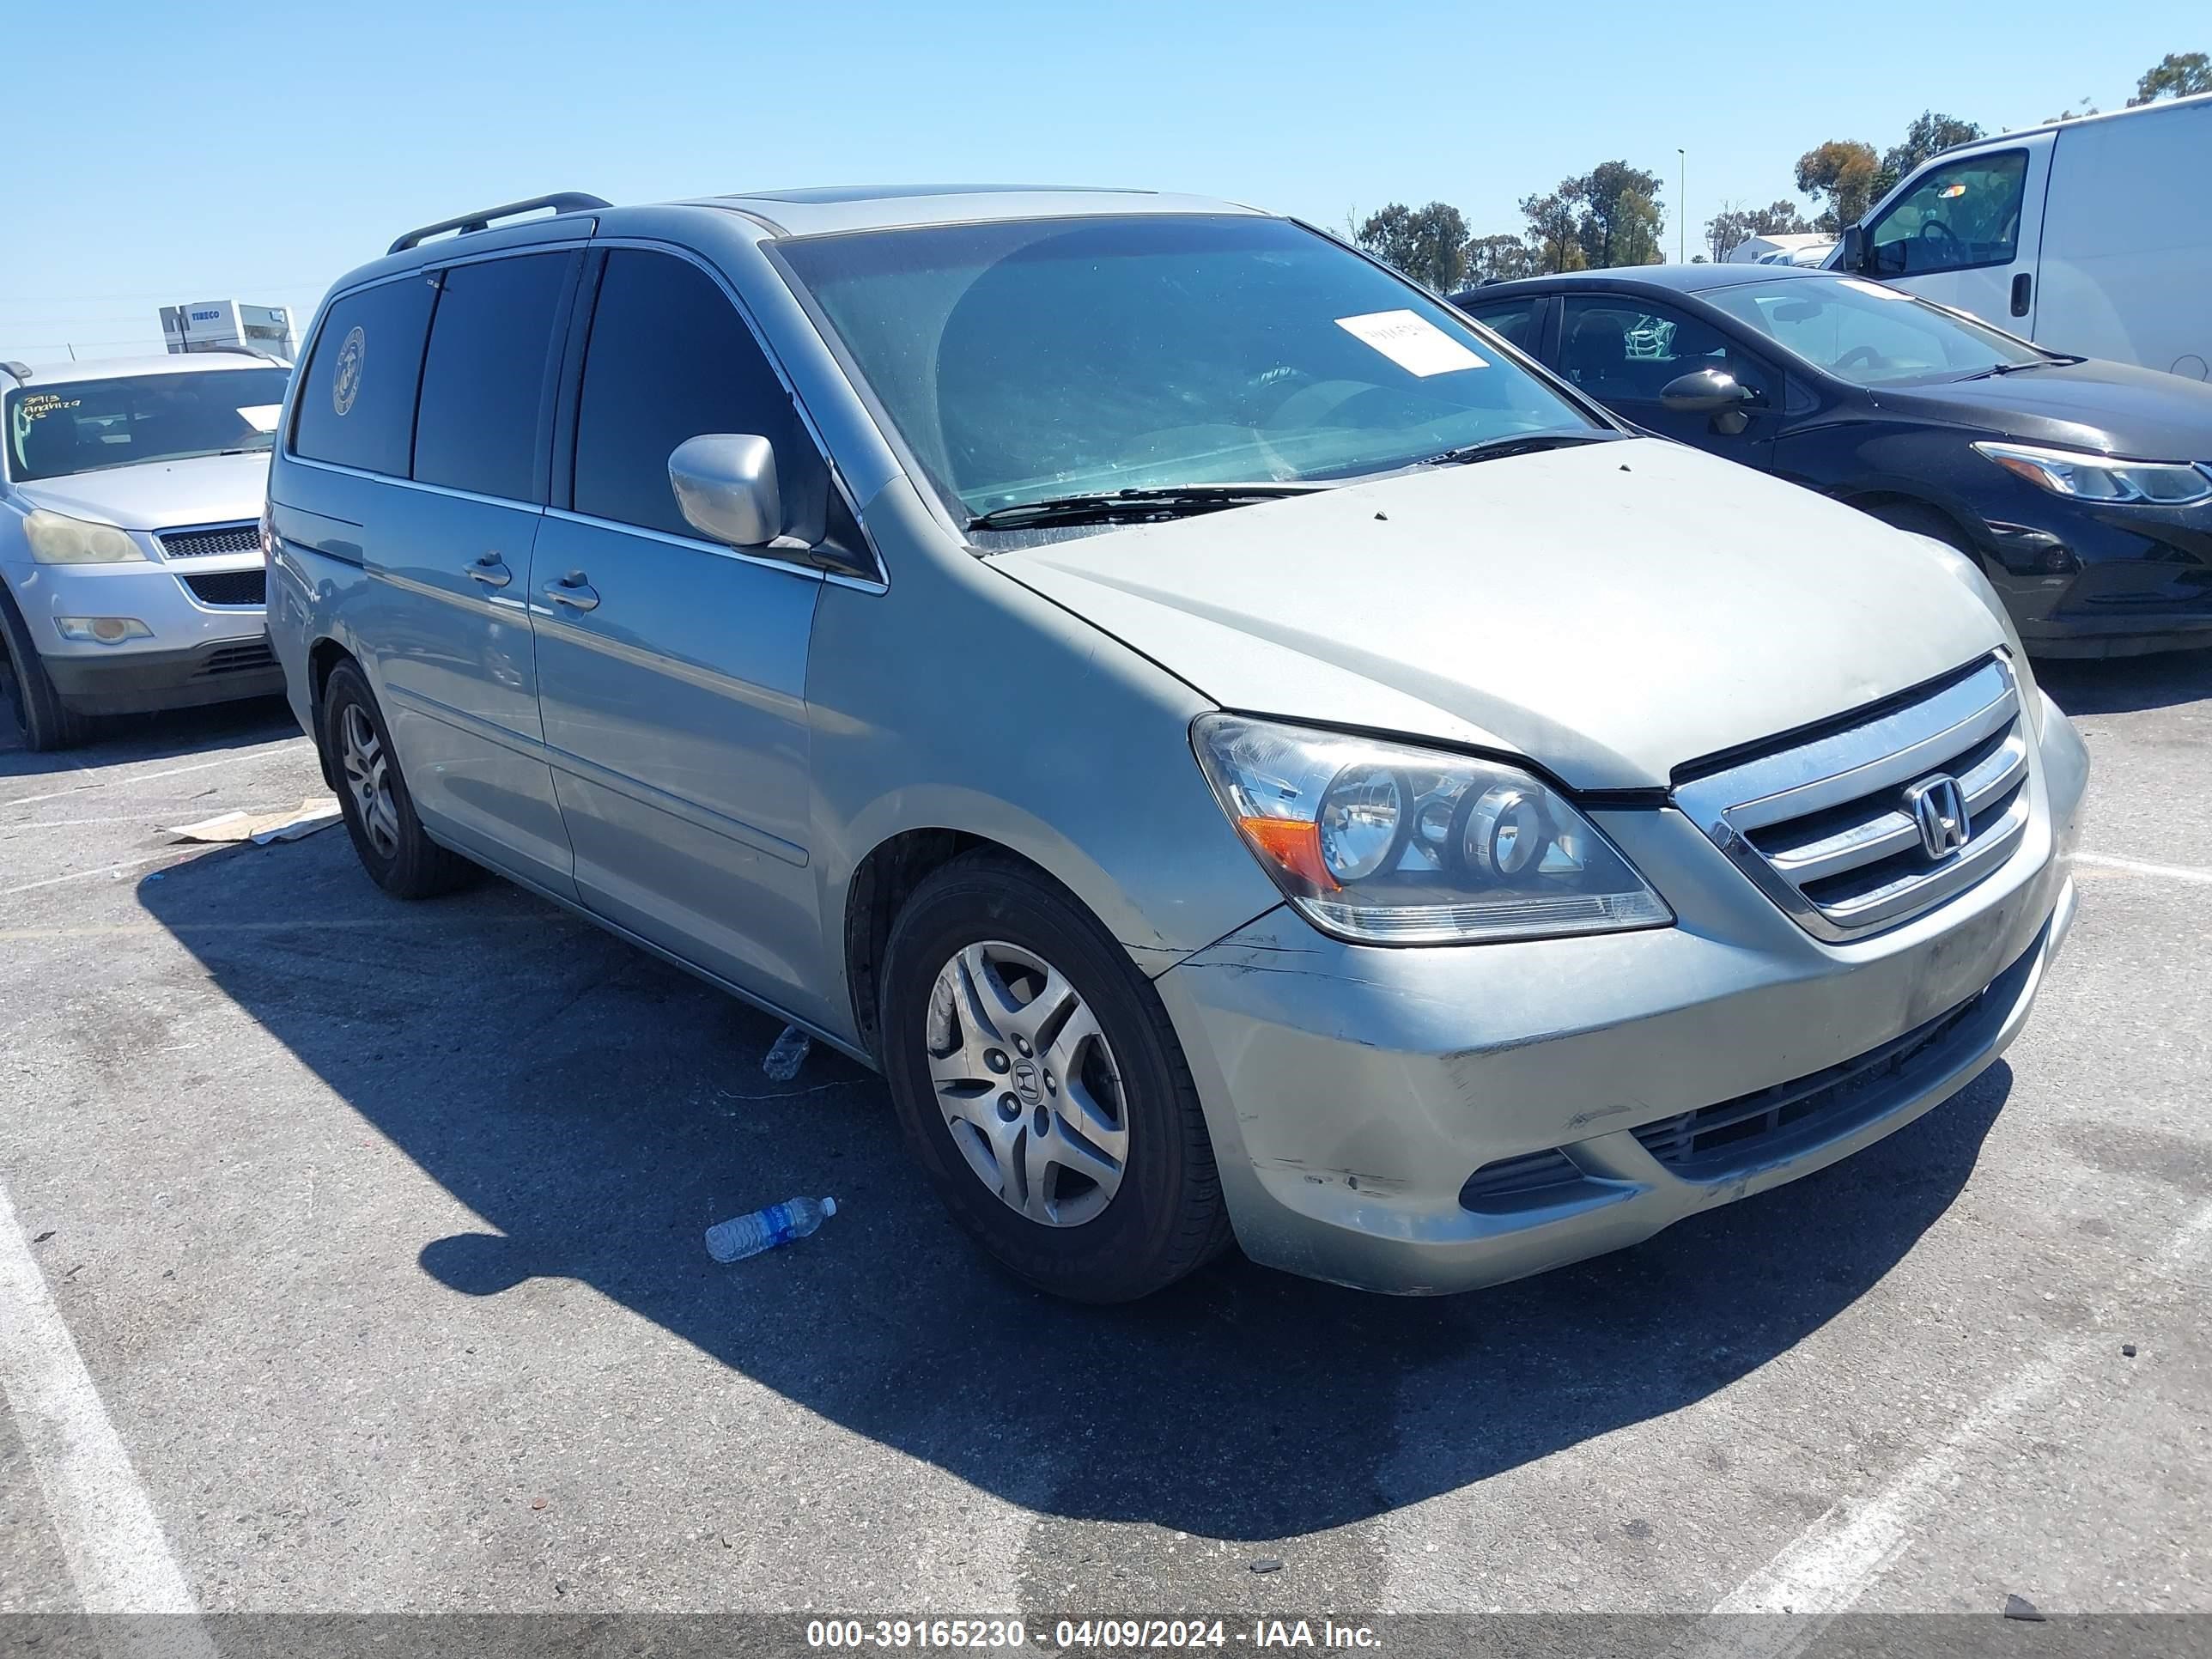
1825 827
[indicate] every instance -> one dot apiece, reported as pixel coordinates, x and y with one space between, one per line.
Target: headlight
2087 477
57 540
1382 843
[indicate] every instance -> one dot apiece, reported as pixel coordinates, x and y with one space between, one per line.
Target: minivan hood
158 494
2117 408
1610 612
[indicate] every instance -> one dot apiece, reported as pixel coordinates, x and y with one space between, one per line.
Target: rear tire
1084 1222
372 795
29 705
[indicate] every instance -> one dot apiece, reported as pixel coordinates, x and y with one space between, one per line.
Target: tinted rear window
486 387
357 401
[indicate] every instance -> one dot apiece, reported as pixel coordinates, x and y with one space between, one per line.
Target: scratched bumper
1352 1092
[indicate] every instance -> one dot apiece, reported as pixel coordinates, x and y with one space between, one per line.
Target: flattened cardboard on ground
314 812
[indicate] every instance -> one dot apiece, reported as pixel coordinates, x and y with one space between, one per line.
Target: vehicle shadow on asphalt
2125 685
598 1110
121 739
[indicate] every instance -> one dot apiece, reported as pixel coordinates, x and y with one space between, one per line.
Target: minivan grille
1509 1179
1827 827
215 538
229 586
1725 1138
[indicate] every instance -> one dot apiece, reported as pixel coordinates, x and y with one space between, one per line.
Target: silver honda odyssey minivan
1244 751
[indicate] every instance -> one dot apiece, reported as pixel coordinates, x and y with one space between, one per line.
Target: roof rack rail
20 373
562 201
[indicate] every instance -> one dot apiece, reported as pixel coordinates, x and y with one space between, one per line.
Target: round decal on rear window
345 383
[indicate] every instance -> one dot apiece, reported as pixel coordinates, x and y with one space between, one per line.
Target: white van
2092 235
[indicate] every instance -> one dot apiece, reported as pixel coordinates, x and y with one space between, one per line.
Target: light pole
1682 207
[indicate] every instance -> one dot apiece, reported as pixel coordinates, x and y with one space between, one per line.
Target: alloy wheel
369 780
1027 1084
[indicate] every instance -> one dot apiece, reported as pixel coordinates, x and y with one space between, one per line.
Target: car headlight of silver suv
55 539
2085 477
1383 844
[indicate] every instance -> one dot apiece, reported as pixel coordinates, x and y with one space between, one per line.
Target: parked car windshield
1035 360
1870 335
57 427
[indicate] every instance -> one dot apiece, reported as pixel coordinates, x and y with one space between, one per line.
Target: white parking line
118 1555
106 782
1827 1568
10 832
2188 872
85 875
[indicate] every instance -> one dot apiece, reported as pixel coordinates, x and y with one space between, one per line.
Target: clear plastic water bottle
764 1229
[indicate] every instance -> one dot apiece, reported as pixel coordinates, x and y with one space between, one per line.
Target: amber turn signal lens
1295 845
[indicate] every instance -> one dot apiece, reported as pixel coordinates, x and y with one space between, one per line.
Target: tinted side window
356 401
1511 319
487 409
1621 350
1960 215
670 358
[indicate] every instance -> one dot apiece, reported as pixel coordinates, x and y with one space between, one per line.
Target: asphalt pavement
357 1268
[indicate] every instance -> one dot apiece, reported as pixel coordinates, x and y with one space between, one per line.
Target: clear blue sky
223 151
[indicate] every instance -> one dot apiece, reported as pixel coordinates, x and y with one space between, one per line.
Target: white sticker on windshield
1874 288
1412 342
262 417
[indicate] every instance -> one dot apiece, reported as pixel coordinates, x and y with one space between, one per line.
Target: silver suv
130 563
1243 749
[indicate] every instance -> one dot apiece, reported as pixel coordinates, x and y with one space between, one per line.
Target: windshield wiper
2053 362
1519 443
1136 506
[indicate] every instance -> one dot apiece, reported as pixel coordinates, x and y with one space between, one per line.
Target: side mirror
1853 255
725 486
1704 392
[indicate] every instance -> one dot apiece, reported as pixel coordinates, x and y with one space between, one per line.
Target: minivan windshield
1031 360
1870 335
55 429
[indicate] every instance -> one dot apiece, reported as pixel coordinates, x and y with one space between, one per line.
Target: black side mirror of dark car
1704 392
1854 249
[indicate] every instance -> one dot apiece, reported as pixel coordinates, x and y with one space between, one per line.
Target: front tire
29 705
1041 1086
372 795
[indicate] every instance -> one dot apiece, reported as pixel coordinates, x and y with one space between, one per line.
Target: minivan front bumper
1362 1100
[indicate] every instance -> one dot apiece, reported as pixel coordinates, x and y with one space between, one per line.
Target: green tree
1843 170
1733 226
1552 223
2177 74
1500 259
1928 134
1621 219
1428 244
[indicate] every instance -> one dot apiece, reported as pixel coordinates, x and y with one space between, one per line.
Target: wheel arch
886 876
1872 499
323 657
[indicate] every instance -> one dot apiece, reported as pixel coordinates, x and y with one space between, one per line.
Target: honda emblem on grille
1939 810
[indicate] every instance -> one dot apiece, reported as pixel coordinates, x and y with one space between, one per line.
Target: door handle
573 591
491 570
2022 286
